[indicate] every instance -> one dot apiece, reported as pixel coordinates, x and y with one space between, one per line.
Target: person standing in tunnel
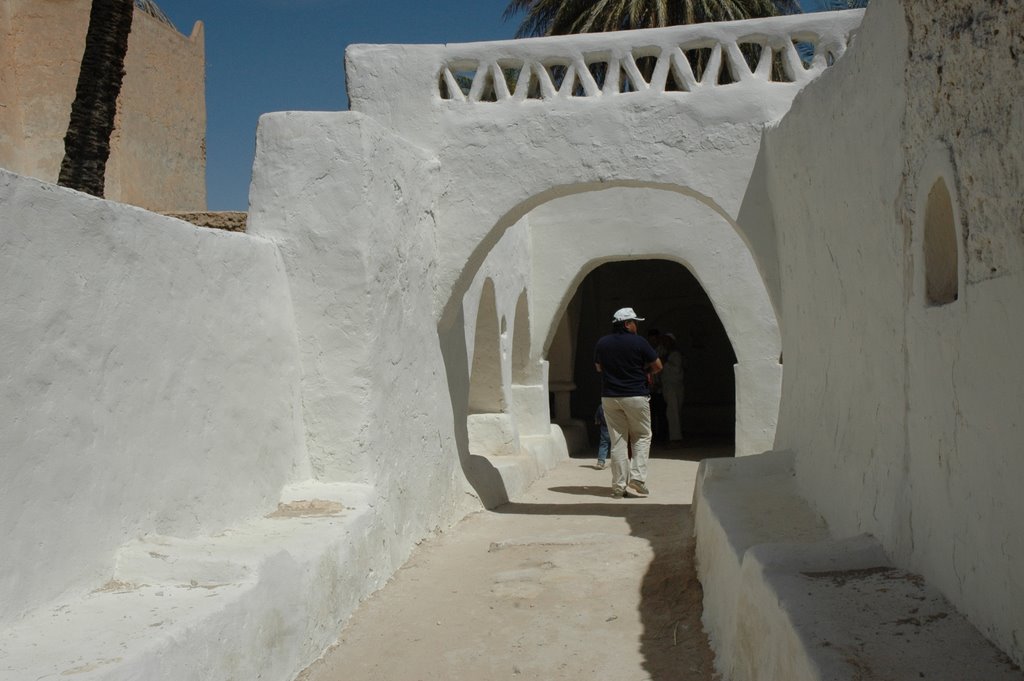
626 362
672 387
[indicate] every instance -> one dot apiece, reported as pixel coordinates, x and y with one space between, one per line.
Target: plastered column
758 389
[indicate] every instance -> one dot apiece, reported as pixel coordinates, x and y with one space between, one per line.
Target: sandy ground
563 583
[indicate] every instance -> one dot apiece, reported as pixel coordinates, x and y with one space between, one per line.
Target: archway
573 236
559 242
672 301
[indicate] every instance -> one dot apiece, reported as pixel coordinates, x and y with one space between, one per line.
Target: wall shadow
673 645
481 474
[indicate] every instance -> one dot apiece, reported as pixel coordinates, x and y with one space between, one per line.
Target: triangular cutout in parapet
487 91
533 90
599 71
442 84
578 89
511 71
464 79
646 65
626 84
806 51
698 59
673 83
779 72
725 74
556 72
751 54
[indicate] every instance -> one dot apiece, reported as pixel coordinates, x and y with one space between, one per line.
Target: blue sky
288 55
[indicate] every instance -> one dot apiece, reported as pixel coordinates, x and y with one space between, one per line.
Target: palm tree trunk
87 144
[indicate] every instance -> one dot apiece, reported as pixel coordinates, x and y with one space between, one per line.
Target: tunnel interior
672 301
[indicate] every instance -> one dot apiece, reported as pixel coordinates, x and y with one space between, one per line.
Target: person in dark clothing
604 445
626 362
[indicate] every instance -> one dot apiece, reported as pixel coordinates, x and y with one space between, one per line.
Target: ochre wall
41 73
158 150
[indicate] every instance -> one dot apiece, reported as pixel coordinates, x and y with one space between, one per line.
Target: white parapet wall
151 385
504 153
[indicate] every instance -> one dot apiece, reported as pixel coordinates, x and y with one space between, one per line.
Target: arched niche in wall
485 384
530 405
941 257
522 371
490 425
938 232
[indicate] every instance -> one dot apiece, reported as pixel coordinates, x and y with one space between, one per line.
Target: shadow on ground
673 644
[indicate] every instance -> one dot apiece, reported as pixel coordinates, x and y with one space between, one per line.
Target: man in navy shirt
626 362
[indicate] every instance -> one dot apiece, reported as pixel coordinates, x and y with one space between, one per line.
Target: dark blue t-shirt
624 357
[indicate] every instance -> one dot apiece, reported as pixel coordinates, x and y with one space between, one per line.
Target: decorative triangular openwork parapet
679 59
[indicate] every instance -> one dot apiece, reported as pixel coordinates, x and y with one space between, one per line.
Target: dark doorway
671 300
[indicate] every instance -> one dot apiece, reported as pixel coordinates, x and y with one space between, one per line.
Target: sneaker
639 487
618 493
600 465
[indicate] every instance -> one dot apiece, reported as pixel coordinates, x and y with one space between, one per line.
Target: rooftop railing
675 60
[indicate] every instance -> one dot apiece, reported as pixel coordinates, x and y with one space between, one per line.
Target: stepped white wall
150 385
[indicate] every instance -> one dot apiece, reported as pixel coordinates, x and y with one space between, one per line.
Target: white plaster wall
574 235
965 429
905 418
150 385
841 263
566 152
350 206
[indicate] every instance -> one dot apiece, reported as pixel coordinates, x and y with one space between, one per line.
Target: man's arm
654 367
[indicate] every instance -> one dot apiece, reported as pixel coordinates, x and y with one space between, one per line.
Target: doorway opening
672 301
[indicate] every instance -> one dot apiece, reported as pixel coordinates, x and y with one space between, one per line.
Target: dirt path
565 583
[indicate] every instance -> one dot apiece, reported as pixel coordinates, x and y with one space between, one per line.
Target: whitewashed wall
150 385
906 417
196 369
351 207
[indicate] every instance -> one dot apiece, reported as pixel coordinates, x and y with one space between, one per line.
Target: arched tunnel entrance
672 301
543 294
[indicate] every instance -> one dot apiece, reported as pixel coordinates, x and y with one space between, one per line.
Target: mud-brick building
158 149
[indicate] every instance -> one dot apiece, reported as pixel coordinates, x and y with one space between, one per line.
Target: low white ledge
784 600
258 601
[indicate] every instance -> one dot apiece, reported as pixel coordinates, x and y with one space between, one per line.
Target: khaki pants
628 417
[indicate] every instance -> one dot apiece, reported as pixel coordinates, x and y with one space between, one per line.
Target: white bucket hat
626 314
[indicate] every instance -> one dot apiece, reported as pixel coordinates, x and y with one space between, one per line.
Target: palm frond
559 17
